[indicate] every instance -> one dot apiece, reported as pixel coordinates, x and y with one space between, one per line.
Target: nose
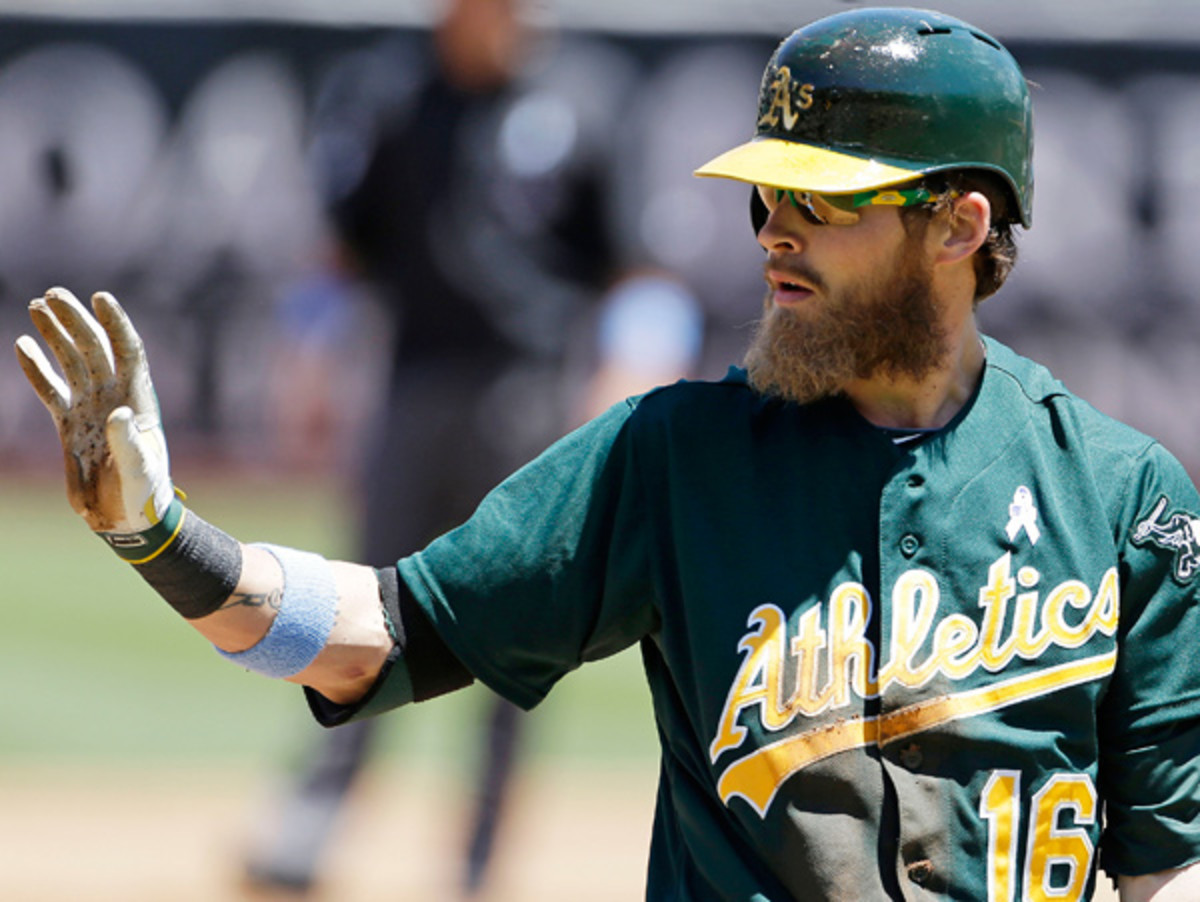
780 231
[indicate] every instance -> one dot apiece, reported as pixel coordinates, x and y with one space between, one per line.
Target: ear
965 228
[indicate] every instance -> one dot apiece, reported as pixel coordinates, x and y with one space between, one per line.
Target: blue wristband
305 619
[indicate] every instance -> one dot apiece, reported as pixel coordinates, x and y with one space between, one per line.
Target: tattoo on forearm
272 599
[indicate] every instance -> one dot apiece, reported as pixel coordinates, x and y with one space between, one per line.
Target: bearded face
887 324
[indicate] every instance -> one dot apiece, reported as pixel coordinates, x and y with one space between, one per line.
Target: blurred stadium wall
159 150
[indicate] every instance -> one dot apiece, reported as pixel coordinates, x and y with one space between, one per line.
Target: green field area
97 668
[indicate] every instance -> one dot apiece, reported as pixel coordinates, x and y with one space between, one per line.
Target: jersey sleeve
1150 716
551 570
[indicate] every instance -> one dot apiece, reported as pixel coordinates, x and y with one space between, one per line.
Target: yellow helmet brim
804 167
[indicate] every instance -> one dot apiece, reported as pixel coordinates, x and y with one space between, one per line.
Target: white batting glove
106 412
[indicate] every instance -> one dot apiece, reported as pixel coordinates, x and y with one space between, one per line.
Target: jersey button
911 756
909 544
919 872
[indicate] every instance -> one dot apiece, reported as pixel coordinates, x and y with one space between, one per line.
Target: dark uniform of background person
464 178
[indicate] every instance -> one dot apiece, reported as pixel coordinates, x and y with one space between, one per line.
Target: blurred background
187 157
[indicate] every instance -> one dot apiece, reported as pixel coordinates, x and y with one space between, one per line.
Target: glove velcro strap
306 616
141 547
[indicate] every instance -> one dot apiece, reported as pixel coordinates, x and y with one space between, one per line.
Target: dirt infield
102 836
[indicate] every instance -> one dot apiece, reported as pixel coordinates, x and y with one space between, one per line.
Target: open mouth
784 279
791 287
786 287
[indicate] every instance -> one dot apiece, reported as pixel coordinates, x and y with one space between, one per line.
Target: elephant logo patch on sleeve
1178 532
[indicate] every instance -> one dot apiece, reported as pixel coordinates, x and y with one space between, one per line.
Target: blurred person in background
465 184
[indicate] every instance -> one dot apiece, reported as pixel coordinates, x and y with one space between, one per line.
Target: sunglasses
846 209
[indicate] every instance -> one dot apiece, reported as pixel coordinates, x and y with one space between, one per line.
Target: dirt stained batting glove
107 415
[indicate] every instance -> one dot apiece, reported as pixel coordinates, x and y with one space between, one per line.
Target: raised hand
106 413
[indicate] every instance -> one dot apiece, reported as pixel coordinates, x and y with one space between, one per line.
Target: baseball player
915 619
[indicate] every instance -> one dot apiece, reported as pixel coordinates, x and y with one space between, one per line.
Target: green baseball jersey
959 667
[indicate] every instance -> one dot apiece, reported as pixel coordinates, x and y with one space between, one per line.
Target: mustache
796 270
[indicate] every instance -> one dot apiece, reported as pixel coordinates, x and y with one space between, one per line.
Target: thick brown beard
894 332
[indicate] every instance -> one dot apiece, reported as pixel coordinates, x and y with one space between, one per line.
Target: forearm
313 621
358 642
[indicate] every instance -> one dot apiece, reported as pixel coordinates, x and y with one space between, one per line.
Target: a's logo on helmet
783 100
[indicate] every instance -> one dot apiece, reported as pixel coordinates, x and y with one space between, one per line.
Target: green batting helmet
872 98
